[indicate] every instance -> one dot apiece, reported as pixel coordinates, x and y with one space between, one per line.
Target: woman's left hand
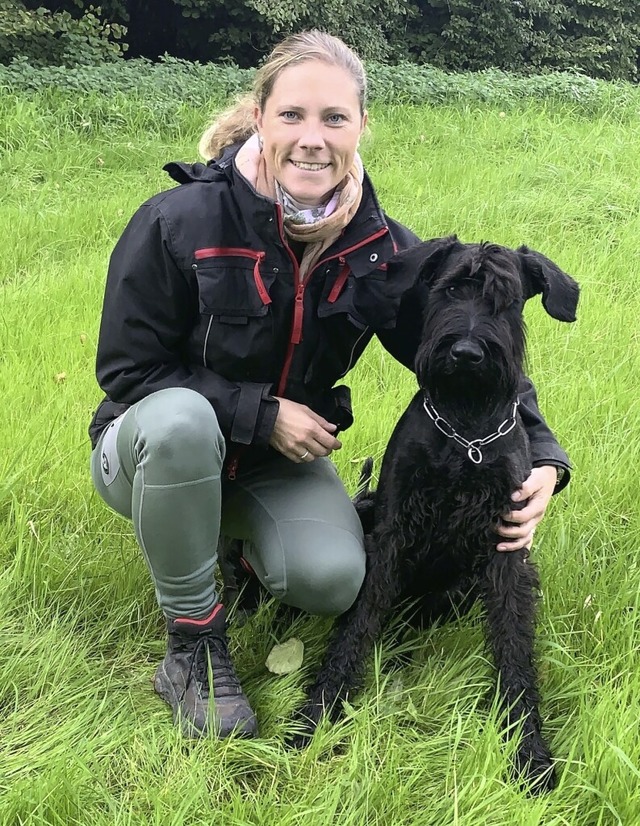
537 489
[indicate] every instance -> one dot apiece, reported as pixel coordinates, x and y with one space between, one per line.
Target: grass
83 739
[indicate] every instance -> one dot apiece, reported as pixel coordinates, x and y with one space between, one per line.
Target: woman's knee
327 583
178 430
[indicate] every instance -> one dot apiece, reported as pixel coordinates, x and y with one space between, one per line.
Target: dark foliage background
600 38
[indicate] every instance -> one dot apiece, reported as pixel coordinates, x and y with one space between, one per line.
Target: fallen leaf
83 338
60 377
285 658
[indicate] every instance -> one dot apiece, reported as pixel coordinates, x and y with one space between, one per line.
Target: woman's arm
150 306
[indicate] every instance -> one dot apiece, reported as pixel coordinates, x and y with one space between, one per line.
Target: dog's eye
453 290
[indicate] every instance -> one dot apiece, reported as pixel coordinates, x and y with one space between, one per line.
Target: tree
603 37
56 37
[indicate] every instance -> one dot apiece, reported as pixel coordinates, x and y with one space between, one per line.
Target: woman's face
310 127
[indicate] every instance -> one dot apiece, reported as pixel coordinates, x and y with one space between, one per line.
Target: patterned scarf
324 229
295 212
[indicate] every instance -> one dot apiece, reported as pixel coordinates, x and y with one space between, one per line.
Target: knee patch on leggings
325 576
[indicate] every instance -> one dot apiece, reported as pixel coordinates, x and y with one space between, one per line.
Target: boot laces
212 648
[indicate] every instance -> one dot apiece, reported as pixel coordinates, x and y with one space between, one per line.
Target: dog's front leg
353 638
509 592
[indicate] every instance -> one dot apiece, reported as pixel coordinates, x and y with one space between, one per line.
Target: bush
171 83
170 80
43 37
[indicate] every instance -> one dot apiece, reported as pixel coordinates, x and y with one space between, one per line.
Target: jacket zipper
232 466
298 307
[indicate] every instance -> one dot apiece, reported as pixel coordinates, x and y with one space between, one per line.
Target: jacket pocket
338 299
365 300
350 310
235 333
231 286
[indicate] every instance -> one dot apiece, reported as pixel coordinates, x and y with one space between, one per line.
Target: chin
306 192
312 198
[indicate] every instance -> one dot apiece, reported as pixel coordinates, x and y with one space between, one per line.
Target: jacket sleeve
150 306
545 449
403 339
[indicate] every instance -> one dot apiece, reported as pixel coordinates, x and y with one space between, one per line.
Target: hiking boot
198 680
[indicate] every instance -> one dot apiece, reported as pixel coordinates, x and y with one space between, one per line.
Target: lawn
83 738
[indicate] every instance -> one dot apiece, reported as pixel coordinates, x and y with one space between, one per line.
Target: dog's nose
467 351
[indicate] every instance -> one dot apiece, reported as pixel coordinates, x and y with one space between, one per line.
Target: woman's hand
302 435
536 491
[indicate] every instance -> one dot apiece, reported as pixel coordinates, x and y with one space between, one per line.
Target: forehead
479 261
314 83
494 269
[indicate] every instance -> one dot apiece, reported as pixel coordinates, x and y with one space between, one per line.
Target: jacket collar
363 242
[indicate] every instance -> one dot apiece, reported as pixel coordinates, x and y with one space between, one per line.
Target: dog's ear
559 291
424 258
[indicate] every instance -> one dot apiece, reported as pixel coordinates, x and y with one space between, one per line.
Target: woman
234 303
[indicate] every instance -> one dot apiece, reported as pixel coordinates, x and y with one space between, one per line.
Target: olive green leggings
160 464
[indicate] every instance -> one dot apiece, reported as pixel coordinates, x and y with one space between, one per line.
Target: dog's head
473 338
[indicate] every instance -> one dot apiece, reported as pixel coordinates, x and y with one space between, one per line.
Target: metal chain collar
473 446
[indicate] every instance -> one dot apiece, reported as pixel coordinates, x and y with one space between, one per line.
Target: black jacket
202 293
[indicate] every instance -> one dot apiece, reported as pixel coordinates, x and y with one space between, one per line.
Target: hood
185 173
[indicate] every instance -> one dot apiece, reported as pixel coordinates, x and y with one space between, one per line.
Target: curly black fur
430 526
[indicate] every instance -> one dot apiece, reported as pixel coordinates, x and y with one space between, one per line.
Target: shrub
172 83
43 37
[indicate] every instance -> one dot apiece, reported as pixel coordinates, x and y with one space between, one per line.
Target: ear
424 259
559 291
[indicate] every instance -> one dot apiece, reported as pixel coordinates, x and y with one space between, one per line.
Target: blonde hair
237 123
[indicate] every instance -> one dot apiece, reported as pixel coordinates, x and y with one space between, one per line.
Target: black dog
455 457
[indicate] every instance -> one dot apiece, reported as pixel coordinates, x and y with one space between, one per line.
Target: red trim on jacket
298 308
341 280
239 252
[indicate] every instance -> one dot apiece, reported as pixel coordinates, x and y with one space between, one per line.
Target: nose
311 135
467 351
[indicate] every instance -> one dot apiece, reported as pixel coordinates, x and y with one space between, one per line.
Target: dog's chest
452 515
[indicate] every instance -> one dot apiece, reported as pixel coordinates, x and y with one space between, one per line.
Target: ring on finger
304 455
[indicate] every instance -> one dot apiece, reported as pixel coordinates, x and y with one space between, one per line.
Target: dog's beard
468 392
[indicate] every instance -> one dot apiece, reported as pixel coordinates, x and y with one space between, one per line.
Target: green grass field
83 738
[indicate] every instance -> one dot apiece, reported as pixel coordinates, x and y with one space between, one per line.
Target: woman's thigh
304 537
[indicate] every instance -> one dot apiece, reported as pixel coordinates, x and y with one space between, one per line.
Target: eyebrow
328 109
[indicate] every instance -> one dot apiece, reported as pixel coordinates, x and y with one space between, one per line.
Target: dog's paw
305 723
536 770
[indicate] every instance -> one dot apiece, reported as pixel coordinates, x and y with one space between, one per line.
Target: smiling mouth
310 167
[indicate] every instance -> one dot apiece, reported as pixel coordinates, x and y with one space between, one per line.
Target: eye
336 119
289 115
453 290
